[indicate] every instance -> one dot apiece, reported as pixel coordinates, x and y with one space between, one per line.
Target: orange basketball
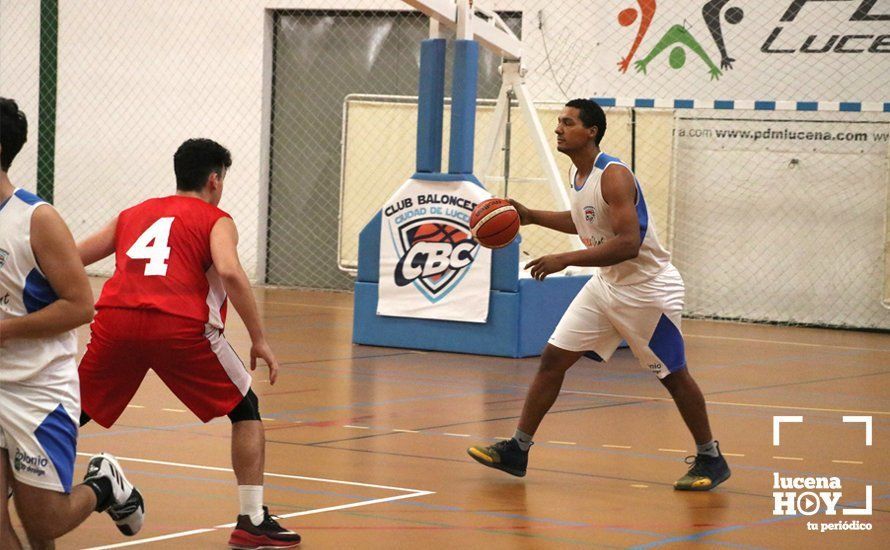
494 223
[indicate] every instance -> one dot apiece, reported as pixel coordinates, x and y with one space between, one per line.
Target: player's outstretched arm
558 221
620 193
224 251
98 245
56 254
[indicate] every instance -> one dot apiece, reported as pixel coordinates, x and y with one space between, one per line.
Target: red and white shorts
194 360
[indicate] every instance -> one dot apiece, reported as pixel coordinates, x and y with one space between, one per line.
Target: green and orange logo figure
680 37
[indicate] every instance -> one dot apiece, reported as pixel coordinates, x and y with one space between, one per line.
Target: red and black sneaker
268 534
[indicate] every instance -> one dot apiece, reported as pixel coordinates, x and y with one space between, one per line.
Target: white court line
356 427
787 407
782 342
788 458
174 410
267 474
405 431
153 539
340 507
303 304
412 493
728 403
847 461
455 435
617 446
733 454
135 406
282 516
562 442
711 337
687 335
683 451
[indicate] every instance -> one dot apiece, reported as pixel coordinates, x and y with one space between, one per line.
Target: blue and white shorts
646 315
38 428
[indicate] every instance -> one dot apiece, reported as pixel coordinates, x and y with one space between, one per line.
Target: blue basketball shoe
706 473
503 455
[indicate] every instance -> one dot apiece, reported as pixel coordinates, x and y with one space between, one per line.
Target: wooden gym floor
366 446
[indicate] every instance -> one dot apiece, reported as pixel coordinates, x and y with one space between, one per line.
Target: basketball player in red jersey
164 309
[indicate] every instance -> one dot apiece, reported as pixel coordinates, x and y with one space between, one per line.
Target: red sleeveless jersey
163 261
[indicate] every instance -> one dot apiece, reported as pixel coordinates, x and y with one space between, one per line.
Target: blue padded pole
430 105
463 106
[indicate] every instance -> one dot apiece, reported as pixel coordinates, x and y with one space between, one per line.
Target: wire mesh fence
759 130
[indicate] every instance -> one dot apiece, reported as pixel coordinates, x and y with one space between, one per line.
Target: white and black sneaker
126 508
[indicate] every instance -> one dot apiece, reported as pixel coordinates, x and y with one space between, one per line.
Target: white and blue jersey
639 300
24 290
590 212
39 389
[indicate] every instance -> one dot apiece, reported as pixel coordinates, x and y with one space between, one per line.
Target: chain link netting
758 130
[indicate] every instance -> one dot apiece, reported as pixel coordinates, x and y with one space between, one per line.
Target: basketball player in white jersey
44 295
636 296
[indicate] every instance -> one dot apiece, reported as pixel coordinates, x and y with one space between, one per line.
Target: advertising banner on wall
830 50
799 132
430 266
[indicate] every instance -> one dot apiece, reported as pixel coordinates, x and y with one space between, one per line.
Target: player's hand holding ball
525 215
495 222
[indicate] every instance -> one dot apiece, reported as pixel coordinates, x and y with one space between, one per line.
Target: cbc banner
430 266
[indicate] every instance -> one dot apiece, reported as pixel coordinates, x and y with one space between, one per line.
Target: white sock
709 449
251 499
524 440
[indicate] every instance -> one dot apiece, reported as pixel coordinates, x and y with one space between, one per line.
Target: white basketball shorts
38 428
646 315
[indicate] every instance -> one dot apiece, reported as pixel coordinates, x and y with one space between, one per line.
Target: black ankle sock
104 493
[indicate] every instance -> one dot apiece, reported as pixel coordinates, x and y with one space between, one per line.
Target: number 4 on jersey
152 246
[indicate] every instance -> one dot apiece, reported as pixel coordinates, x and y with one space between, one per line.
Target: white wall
137 78
19 76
